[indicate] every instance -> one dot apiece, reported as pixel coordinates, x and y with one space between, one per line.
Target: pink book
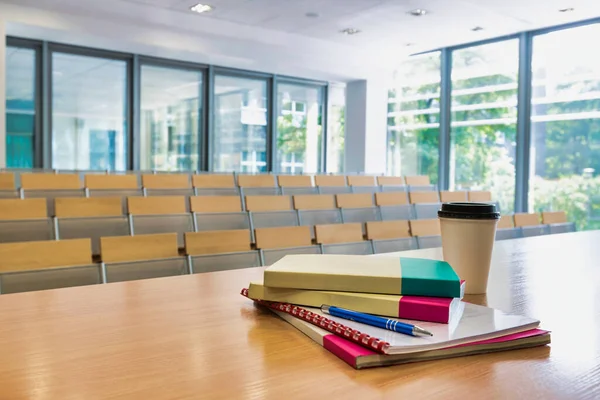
360 357
479 330
420 308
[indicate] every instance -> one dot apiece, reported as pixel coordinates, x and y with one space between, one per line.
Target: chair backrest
7 181
361 248
354 200
213 181
215 242
378 230
95 181
506 222
458 196
390 181
52 278
526 219
391 198
225 261
268 203
145 269
73 207
294 181
393 245
282 237
314 202
38 181
139 247
156 205
554 217
361 180
215 204
222 221
166 181
425 227
253 181
296 191
418 180
480 196
509 233
423 197
23 256
338 233
271 256
398 212
330 180
18 209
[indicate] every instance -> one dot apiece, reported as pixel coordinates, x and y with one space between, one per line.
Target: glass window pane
484 120
336 120
414 118
88 113
299 129
20 107
565 126
170 119
239 137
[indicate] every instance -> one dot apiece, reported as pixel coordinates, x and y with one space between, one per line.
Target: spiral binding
344 331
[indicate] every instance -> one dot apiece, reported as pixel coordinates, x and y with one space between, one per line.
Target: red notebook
361 350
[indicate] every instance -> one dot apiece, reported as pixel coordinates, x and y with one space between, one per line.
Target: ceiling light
201 8
409 44
312 15
477 29
569 9
418 12
350 31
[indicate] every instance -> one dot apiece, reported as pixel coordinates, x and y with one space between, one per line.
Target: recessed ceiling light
409 44
418 12
312 15
201 8
477 29
350 31
568 9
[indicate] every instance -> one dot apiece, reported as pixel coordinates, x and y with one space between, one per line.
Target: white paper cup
468 234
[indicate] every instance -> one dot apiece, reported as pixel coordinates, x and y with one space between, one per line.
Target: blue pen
383 323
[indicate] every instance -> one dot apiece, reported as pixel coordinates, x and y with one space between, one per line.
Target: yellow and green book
365 274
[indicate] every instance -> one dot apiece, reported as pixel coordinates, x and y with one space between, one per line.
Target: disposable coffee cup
468 234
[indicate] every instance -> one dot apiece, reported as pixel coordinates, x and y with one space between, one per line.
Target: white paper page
477 323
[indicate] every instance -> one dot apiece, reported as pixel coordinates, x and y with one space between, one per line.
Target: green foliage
578 196
291 135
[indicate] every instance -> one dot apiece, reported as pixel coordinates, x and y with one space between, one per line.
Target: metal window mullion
208 117
46 96
325 126
445 119
523 152
133 131
272 124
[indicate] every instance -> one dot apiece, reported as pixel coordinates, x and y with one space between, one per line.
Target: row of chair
42 265
28 181
533 224
27 219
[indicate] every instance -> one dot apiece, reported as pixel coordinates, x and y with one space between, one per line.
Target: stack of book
409 290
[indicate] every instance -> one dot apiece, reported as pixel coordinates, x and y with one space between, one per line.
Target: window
565 126
336 129
414 118
20 106
484 120
88 113
239 137
299 129
170 118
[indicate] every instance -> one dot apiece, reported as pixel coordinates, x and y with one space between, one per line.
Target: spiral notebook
360 357
477 324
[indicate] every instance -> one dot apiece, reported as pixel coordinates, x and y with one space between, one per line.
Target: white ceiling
277 36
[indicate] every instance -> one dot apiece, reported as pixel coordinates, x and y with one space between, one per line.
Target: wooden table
195 337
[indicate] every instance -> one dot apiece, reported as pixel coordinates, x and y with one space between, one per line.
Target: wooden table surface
195 337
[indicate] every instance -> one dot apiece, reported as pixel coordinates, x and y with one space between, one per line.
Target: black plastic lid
469 211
